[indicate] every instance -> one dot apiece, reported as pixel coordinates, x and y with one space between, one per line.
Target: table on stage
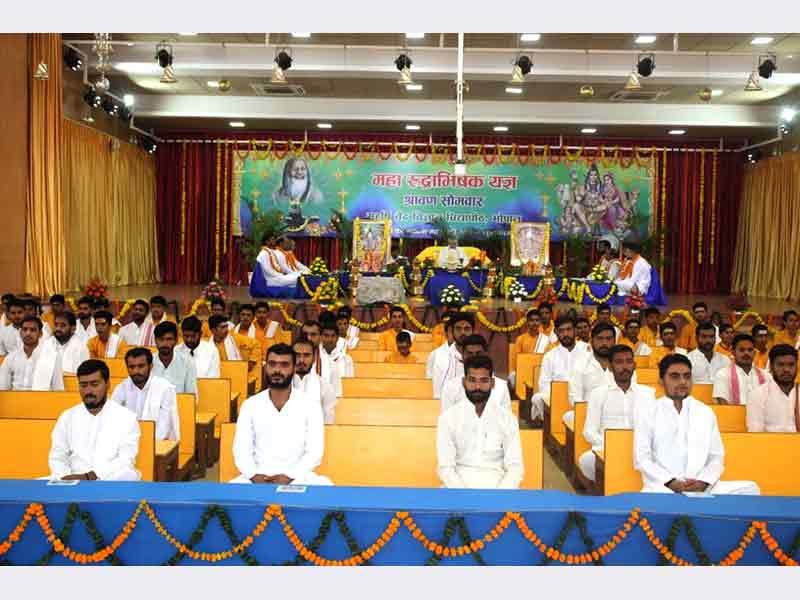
469 281
356 517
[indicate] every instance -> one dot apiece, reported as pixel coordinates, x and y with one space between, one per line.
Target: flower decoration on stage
95 288
634 300
327 292
214 290
318 266
516 291
452 296
598 274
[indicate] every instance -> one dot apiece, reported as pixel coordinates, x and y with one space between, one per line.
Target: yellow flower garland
414 321
474 287
126 307
579 289
399 519
368 326
195 306
497 328
286 317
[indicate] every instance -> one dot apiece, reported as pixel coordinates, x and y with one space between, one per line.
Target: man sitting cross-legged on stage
676 441
96 439
280 433
453 390
613 406
477 440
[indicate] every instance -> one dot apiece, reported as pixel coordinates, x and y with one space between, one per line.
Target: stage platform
189 523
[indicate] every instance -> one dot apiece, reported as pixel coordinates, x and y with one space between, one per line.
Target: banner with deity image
576 197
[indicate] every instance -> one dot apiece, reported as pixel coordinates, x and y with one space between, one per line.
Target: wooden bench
391 411
363 455
374 335
387 388
641 362
25 448
237 372
526 363
766 458
701 391
50 405
388 371
215 396
555 435
380 356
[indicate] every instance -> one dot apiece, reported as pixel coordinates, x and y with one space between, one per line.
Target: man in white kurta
349 333
268 262
557 364
85 327
149 397
336 350
309 383
631 339
96 439
287 261
323 365
138 332
705 361
452 256
176 367
10 338
635 272
72 349
279 433
774 406
35 365
453 391
450 364
590 370
477 441
203 353
676 441
613 406
736 383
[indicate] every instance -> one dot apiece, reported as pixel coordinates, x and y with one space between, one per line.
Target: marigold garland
414 321
126 307
483 320
285 313
474 287
578 289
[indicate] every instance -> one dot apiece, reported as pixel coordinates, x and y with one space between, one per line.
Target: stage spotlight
92 99
646 64
149 145
403 64
283 62
767 65
125 113
165 57
753 155
72 59
522 66
111 107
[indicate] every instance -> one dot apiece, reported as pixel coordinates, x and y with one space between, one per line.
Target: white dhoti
624 286
742 488
586 463
286 280
569 418
307 479
537 406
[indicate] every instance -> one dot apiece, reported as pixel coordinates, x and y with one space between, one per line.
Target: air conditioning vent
277 89
638 96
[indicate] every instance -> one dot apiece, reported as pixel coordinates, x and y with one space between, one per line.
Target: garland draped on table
538 289
578 289
59 543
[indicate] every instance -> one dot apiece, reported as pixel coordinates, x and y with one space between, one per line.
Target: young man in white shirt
323 365
31 308
705 362
590 370
10 338
478 442
735 384
440 351
148 396
85 328
335 348
203 352
309 383
349 333
279 433
775 406
450 364
453 391
96 439
138 331
34 365
613 406
176 367
72 349
677 446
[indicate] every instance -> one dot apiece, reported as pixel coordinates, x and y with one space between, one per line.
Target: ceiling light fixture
304 36
414 87
522 66
415 36
676 131
164 56
588 130
632 84
324 126
767 65
224 85
187 34
788 114
530 37
586 91
513 90
403 64
236 124
500 128
716 93
72 59
761 41
212 84
283 62
704 94
149 145
646 39
752 84
129 99
646 64
111 107
753 155
412 128
92 98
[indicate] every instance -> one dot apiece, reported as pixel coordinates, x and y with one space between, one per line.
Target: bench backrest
372 356
214 395
387 388
383 370
559 404
525 374
236 371
374 335
406 412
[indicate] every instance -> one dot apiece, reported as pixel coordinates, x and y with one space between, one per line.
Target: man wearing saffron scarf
736 383
268 262
287 261
635 271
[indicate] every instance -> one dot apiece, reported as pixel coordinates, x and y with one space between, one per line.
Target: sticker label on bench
292 489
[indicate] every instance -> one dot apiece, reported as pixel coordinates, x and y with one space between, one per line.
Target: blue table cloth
442 278
655 294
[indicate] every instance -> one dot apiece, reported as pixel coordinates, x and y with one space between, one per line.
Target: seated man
608 257
453 391
649 332
591 370
774 406
533 341
402 356
96 439
676 441
10 336
583 330
267 261
349 333
148 396
323 365
158 314
85 327
761 337
478 442
706 362
790 334
176 367
232 346
669 333
287 261
440 352
450 364
204 353
603 315
138 332
453 256
35 365
264 329
31 308
58 306
725 345
70 348
279 433
103 304
630 338
334 347
736 383
309 383
635 271
438 334
546 323
105 344
387 340
613 406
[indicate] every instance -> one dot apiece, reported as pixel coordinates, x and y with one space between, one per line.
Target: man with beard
296 185
477 442
706 362
322 365
34 365
556 365
57 307
669 334
31 308
613 406
175 367
677 446
204 353
774 406
450 364
635 271
156 316
309 383
287 261
232 346
85 328
150 397
736 383
790 334
72 350
138 331
453 390
533 341
267 260
583 331
280 434
631 338
603 315
10 338
105 344
387 340
96 439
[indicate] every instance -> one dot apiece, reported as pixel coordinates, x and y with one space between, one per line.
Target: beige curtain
109 200
768 244
45 242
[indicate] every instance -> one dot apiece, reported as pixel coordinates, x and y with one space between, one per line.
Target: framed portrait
372 244
530 242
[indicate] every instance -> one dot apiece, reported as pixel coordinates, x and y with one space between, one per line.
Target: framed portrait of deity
530 243
372 244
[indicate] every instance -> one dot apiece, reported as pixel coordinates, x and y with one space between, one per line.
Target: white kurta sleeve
5 375
757 410
512 458
314 447
58 459
123 466
644 461
592 428
641 276
244 444
446 455
190 379
575 384
266 268
168 424
214 364
722 387
545 375
715 463
504 398
57 381
429 364
328 403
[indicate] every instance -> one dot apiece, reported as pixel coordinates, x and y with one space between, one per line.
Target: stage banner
576 198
